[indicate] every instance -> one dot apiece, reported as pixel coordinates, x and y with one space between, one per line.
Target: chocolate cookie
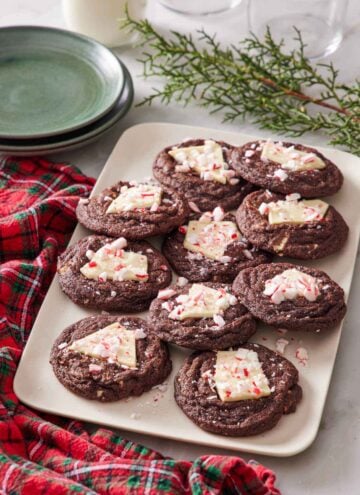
133 210
199 187
99 373
280 296
178 319
197 394
295 174
197 267
321 232
133 273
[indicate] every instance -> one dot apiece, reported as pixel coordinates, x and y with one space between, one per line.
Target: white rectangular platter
156 412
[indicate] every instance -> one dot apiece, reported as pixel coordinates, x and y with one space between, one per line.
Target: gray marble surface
330 465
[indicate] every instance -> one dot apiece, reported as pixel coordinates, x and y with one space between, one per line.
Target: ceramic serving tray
156 412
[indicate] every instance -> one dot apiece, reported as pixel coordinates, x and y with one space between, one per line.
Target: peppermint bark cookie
202 171
290 296
290 226
211 249
108 358
237 393
287 168
201 316
133 210
114 275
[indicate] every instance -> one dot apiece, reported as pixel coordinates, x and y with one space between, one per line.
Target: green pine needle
256 79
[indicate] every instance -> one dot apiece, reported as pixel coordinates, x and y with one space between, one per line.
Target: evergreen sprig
255 79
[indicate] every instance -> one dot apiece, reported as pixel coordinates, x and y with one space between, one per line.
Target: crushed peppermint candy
167 305
281 174
161 387
103 277
95 368
154 207
194 207
206 217
113 293
166 293
89 254
281 344
219 320
248 254
195 256
249 153
208 376
302 356
182 281
293 197
62 345
119 243
291 284
218 214
140 334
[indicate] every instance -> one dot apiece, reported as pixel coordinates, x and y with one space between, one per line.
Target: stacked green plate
58 90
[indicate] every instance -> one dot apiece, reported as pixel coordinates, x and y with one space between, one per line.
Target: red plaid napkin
50 455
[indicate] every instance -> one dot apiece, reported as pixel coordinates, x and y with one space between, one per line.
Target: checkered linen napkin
50 455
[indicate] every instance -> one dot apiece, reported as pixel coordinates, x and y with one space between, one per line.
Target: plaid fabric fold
50 455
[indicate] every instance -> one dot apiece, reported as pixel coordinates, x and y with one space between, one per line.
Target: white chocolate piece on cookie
113 263
294 212
210 238
113 343
202 302
136 198
206 160
239 376
291 158
291 284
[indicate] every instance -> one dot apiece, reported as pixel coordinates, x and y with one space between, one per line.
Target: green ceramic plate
79 137
53 81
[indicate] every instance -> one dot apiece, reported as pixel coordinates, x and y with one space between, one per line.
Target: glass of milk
100 19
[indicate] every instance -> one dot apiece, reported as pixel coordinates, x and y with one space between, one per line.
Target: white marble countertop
330 465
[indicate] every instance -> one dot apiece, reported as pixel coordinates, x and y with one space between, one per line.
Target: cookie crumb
135 415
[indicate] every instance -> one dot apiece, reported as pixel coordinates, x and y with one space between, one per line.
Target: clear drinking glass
200 7
321 22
